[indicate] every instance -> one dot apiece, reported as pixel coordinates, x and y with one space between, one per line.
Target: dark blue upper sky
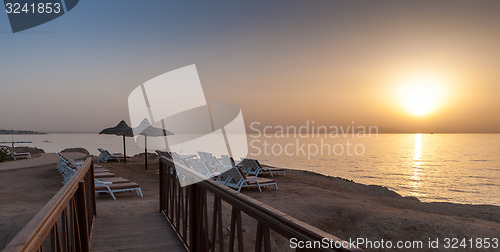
281 61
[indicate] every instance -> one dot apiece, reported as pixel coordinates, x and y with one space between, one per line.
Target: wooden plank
138 232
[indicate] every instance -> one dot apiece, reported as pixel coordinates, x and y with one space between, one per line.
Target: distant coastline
20 132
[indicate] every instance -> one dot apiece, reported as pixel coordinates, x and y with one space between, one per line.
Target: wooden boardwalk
142 232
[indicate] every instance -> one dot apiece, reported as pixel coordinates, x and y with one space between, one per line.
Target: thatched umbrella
146 129
122 129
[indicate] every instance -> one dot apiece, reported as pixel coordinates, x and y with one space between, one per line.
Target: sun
421 95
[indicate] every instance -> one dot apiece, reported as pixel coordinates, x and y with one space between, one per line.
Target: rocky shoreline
20 132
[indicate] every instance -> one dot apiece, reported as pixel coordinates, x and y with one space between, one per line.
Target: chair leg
111 192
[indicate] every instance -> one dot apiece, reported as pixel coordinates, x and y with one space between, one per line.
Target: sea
457 168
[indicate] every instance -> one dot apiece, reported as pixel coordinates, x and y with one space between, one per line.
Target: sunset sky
283 62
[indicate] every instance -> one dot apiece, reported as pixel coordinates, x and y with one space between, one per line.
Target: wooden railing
198 219
65 222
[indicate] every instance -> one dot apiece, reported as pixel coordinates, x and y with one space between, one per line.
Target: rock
81 150
412 198
150 155
32 150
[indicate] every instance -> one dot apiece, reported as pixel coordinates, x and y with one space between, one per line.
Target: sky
283 62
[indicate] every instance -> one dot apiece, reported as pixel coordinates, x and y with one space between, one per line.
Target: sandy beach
343 208
350 210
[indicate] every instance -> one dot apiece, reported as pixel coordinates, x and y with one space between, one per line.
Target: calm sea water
461 168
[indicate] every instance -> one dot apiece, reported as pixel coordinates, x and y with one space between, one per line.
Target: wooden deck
138 232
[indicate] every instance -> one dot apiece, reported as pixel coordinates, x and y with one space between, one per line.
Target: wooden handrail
274 219
186 210
78 194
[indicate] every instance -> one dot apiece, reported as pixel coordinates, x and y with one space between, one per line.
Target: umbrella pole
124 150
146 151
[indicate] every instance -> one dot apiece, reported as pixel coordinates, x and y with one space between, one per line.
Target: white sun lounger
201 168
238 180
106 155
97 168
16 155
112 188
227 161
253 167
105 185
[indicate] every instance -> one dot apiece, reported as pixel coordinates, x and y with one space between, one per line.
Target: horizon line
387 132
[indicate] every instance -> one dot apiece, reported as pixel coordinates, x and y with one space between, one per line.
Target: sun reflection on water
416 170
418 148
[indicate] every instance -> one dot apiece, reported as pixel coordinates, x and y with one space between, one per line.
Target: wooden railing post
195 218
162 186
81 207
92 189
